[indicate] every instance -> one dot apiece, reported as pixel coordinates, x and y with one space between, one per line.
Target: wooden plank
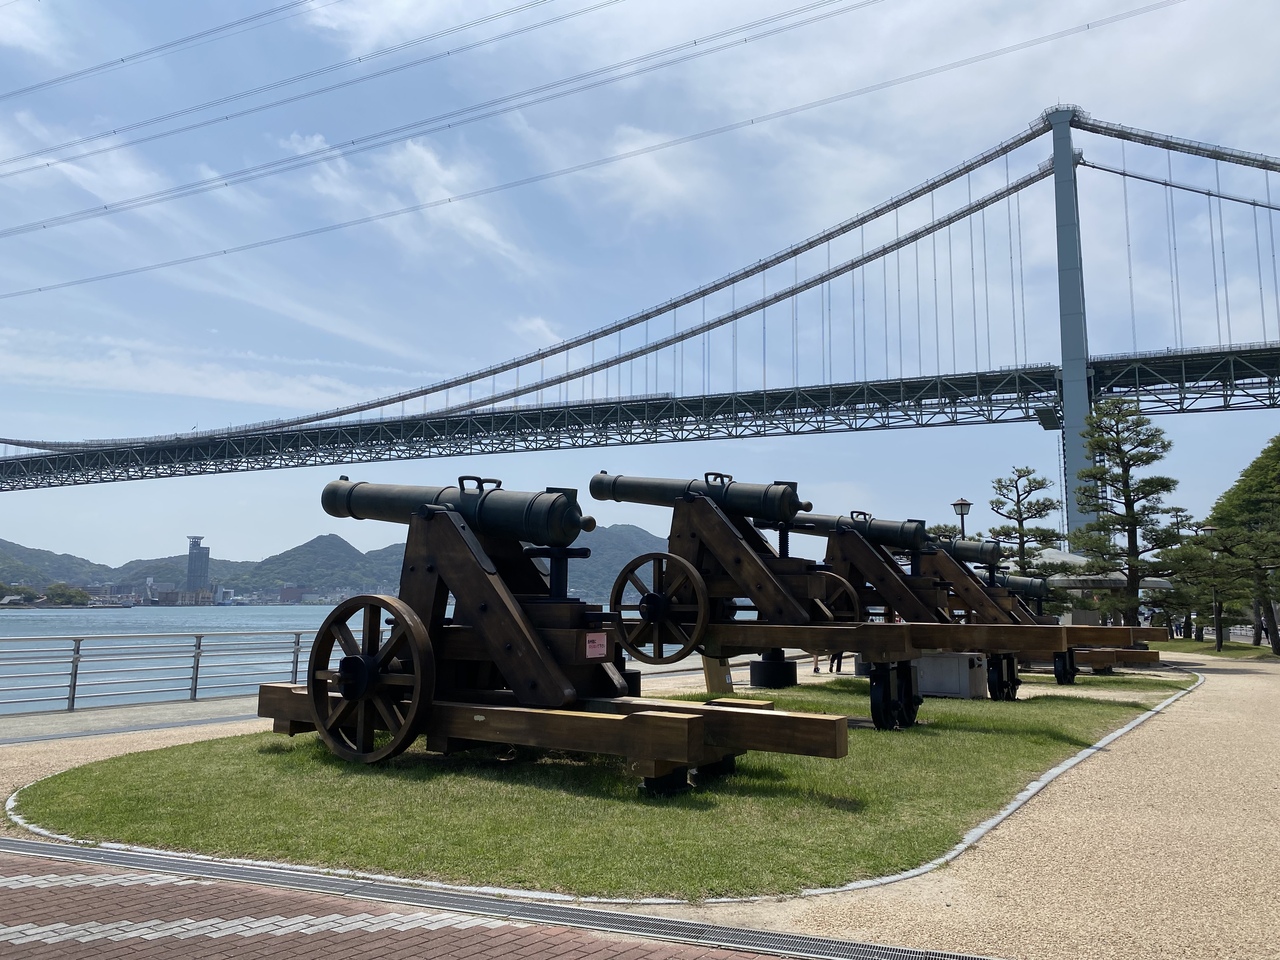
653 734
717 675
737 728
987 637
1110 655
1094 636
1096 658
742 702
816 637
284 702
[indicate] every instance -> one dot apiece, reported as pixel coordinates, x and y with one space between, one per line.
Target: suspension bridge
948 304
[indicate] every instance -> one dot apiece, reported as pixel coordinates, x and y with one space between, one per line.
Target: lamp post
961 507
1209 530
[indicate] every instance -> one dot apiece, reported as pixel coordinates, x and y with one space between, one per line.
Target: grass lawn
1236 651
576 824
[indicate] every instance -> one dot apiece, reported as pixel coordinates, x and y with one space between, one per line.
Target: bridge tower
1071 314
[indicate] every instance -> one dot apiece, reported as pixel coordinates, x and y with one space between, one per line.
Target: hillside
326 564
19 563
612 548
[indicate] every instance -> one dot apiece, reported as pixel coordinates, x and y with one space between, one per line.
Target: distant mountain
19 563
326 564
612 548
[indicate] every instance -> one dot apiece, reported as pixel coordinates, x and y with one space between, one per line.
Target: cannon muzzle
984 552
1036 588
777 501
552 519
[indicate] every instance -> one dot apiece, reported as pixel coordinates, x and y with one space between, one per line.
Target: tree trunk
1271 613
1199 632
1257 622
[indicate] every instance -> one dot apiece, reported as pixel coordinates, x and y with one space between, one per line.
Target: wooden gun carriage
484 645
719 566
723 590
902 572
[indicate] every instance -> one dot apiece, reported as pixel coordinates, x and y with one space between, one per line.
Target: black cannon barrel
901 534
552 518
777 501
1037 588
984 552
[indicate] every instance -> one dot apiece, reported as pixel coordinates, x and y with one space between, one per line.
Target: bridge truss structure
1244 378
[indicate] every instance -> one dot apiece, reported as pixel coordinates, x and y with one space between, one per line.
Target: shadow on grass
590 776
594 777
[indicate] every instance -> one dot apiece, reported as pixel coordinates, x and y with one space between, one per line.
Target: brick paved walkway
50 908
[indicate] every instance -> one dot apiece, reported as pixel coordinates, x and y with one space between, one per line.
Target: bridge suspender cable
881 253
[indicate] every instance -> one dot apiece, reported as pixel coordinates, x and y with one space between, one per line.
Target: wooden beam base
656 736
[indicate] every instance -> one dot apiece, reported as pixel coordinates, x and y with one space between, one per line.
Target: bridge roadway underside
1240 378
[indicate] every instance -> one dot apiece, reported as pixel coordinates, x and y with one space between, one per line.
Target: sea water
98 621
122 655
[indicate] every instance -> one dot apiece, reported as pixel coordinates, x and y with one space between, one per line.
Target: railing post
297 653
75 673
195 666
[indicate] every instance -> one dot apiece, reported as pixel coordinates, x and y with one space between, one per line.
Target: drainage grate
585 918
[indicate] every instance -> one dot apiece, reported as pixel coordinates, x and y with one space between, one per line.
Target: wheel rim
384 681
839 596
667 609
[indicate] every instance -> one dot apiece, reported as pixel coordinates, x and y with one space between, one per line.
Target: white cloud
114 365
33 29
534 331
361 26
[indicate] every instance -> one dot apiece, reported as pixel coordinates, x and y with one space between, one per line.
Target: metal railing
52 673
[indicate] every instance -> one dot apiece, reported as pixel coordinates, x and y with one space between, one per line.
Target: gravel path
1165 845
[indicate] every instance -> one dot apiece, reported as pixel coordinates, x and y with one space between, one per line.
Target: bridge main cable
1195 148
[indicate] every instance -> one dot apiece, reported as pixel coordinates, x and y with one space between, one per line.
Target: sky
344 316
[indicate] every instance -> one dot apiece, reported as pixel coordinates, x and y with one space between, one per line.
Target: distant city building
197 566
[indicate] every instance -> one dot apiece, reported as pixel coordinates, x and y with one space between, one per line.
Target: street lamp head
1208 530
961 507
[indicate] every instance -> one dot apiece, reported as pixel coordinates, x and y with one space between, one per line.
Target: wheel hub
653 607
357 676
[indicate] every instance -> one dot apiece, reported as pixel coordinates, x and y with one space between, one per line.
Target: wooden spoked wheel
383 682
662 605
840 597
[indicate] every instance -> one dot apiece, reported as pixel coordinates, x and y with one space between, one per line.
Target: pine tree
1248 520
1127 509
1016 500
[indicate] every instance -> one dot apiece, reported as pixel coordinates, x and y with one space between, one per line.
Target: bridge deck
1239 378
